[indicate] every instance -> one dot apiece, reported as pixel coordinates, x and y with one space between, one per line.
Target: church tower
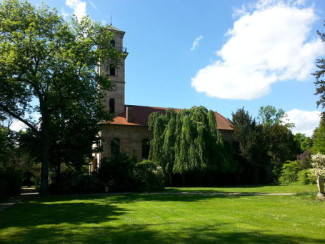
114 100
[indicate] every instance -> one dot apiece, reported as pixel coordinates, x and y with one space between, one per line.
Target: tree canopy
187 141
319 75
48 68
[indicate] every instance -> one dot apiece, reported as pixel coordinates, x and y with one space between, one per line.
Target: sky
221 54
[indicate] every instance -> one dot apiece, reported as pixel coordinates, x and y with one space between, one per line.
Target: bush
118 173
289 172
68 183
149 176
306 177
10 181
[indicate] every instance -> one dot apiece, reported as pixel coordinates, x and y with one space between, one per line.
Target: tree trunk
183 179
320 185
45 139
170 179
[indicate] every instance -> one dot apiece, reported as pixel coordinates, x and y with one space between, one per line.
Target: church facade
128 131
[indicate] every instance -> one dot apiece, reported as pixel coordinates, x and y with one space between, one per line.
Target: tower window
112 70
111 105
112 42
145 148
115 148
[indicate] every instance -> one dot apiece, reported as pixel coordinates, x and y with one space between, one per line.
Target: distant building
128 132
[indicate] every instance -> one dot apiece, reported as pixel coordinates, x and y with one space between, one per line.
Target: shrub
118 173
306 177
10 181
149 176
289 172
76 184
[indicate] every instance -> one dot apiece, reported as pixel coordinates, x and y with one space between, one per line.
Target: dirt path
25 192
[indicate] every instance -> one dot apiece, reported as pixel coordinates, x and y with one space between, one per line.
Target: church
128 131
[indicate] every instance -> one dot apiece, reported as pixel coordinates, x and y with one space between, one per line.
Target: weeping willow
187 141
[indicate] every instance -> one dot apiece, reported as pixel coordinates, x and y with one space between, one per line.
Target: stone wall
130 137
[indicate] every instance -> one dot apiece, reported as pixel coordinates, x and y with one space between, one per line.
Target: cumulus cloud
78 6
195 43
305 121
268 43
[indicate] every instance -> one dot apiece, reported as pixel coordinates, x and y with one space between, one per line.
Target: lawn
163 218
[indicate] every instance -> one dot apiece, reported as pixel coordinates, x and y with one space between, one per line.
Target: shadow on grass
141 233
45 211
97 219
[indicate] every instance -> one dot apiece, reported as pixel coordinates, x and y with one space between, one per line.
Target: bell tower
114 100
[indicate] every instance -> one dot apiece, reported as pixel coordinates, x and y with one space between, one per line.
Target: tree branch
6 110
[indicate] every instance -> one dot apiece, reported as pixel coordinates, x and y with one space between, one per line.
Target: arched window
115 148
145 148
112 70
112 43
112 105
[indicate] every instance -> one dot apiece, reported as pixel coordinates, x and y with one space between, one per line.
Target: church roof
139 115
113 28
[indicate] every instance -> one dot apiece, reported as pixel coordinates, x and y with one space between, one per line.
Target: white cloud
195 43
18 126
305 121
269 43
93 5
78 6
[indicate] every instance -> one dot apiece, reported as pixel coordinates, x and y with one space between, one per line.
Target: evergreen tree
319 137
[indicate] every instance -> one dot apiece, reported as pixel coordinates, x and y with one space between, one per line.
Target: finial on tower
111 19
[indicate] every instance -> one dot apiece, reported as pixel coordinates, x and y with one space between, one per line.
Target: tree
318 168
48 67
251 141
305 142
269 115
319 137
186 142
320 83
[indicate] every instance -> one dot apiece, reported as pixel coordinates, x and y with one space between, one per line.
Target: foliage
149 176
118 173
10 181
318 164
48 68
305 142
289 172
305 177
76 183
319 74
281 146
319 137
250 138
269 115
187 141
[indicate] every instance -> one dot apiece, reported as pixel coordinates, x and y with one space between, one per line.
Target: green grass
292 188
158 218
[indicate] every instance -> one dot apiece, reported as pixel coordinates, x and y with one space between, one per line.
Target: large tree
48 68
319 75
187 141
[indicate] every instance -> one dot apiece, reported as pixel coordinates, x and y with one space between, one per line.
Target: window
111 105
115 148
112 42
112 70
145 148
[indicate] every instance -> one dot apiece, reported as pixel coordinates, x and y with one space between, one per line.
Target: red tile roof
138 116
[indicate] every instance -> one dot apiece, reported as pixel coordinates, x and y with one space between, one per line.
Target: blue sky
221 54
